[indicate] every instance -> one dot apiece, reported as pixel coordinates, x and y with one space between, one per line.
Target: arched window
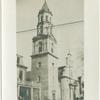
41 18
46 18
40 46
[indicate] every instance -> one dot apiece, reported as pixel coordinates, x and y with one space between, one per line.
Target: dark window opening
38 79
25 93
39 64
41 18
46 18
52 64
54 97
52 47
52 50
40 46
18 60
21 75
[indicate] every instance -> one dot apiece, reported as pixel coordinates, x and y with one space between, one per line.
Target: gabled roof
45 8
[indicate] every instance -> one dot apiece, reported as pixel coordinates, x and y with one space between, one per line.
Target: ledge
42 54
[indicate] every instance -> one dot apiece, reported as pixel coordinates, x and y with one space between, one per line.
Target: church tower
44 59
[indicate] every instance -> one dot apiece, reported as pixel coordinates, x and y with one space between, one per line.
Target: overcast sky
68 37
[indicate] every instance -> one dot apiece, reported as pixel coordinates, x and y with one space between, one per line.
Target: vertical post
74 95
53 75
79 78
18 90
31 93
40 93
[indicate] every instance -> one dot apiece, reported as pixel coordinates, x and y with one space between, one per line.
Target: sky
68 37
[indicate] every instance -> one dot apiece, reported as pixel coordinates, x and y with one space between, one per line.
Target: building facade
70 89
25 88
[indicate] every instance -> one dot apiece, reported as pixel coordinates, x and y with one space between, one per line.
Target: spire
45 8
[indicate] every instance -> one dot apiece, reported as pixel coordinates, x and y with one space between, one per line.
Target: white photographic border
91 51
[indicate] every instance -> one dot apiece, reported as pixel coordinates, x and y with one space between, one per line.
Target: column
31 93
18 91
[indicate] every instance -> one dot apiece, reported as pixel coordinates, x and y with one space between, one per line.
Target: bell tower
44 59
44 25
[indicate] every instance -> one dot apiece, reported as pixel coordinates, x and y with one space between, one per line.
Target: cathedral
45 81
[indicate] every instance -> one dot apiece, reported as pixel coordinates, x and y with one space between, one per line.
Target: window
18 60
21 75
52 47
24 93
54 97
52 50
40 46
39 65
38 79
52 64
41 18
46 18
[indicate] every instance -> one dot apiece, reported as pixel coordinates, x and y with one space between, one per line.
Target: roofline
45 53
61 67
18 55
22 66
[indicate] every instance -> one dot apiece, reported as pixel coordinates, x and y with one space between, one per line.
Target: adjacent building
25 88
